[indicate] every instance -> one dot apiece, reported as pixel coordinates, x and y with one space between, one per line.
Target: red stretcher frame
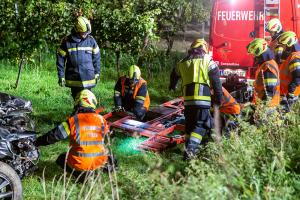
159 124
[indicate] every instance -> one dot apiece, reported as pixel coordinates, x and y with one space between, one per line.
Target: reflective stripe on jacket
286 69
261 83
195 80
145 101
78 60
229 104
87 150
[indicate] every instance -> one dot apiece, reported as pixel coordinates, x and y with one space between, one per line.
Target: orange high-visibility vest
87 151
135 91
229 104
286 75
259 85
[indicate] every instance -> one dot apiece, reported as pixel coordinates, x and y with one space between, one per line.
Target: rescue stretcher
163 125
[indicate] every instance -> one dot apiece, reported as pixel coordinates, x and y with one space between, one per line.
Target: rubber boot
191 150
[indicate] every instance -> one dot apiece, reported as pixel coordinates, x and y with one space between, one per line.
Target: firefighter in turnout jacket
267 83
229 111
229 105
275 29
290 68
78 58
131 93
87 131
198 73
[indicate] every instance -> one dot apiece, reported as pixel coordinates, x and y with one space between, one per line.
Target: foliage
121 28
30 26
175 15
255 163
22 27
258 162
52 104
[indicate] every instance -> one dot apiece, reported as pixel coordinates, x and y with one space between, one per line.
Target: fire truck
235 23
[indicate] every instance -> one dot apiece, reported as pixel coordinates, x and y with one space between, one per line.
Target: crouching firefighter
131 93
87 131
229 112
267 83
290 68
198 73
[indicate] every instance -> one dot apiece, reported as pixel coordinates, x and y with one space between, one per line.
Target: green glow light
129 145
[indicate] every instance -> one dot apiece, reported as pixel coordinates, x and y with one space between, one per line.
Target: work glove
61 82
118 109
97 77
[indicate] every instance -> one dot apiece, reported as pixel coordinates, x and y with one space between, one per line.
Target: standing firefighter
78 58
266 84
131 93
198 72
290 68
87 131
275 29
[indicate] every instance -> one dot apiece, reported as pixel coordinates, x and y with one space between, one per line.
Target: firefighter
290 68
198 73
87 131
267 83
78 58
229 111
131 93
228 104
275 29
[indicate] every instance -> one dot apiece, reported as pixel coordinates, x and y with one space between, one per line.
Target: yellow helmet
86 99
274 25
200 43
82 25
134 72
257 47
288 38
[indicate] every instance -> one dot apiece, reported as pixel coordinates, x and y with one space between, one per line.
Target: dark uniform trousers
198 122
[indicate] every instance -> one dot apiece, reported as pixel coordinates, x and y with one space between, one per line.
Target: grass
52 104
258 162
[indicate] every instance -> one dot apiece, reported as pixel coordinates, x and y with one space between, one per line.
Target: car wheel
10 183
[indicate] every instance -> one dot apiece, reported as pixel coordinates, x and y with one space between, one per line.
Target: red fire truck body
234 23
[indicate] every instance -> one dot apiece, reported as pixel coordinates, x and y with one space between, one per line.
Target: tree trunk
141 58
170 42
40 58
149 71
118 54
21 64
